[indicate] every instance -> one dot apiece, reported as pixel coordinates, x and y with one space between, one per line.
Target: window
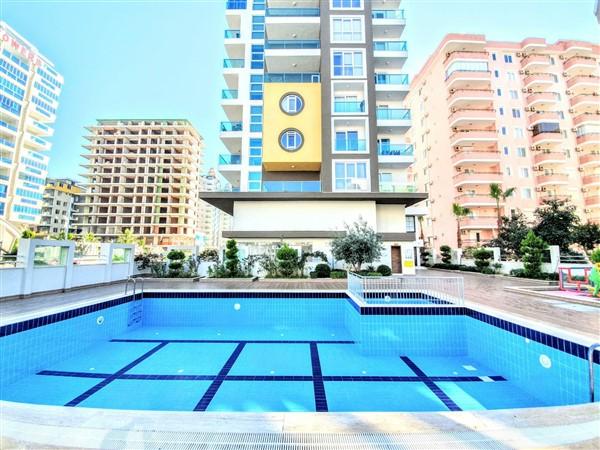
519 132
501 111
508 58
254 181
351 176
256 119
521 152
291 140
524 172
507 171
514 94
347 64
258 27
255 145
258 5
292 104
256 87
503 130
516 113
258 57
506 151
410 224
526 193
346 4
347 29
493 57
499 92
497 73
347 141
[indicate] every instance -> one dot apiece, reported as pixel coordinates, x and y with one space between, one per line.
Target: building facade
59 207
29 92
316 123
520 114
143 175
212 221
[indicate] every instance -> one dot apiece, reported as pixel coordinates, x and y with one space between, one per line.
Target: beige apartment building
521 114
59 207
143 175
212 221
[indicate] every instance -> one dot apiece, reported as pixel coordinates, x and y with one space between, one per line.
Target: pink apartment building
521 114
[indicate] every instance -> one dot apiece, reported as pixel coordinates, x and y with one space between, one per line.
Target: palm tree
498 194
459 212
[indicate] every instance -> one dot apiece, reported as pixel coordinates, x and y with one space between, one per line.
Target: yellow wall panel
308 122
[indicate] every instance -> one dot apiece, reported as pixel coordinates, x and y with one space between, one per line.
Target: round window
291 140
292 104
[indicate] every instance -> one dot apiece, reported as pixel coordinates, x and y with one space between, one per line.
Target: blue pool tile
264 396
273 359
107 357
158 395
346 360
495 395
451 366
186 359
47 390
382 396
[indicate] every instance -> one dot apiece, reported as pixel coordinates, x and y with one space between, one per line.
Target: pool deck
35 426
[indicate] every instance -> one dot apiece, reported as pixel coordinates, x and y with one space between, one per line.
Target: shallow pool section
271 353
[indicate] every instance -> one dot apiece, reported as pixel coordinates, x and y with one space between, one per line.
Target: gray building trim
276 234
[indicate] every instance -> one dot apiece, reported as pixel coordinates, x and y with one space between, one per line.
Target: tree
287 260
209 255
498 194
512 232
127 237
556 223
360 244
446 254
587 235
459 212
28 234
532 249
482 259
89 238
232 260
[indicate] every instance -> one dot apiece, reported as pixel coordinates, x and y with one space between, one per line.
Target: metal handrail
590 358
133 280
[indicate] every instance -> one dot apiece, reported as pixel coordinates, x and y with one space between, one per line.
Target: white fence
407 289
43 265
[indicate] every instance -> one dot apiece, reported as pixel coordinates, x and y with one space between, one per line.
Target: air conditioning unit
524 90
574 130
459 189
584 190
519 53
571 110
543 189
581 169
532 147
561 57
521 72
565 74
587 210
433 219
568 92
527 109
538 189
578 149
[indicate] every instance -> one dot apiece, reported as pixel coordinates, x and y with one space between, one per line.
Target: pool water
274 354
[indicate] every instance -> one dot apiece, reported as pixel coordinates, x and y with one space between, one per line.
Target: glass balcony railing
393 114
236 4
390 46
37 139
7 125
388 14
292 44
351 145
232 34
293 12
384 78
7 143
348 106
231 126
4 177
230 159
385 186
291 186
293 77
229 94
41 125
233 63
385 149
6 160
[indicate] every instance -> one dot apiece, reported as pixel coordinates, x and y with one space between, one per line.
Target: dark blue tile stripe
439 393
216 384
58 373
318 386
77 400
228 341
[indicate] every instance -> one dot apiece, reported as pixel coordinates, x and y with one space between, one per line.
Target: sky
163 59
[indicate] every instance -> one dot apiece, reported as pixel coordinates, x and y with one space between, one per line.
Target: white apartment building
315 135
59 207
212 221
29 91
143 175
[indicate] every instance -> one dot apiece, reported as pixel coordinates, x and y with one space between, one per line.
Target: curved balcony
535 61
481 222
543 116
472 137
549 158
590 159
545 196
592 200
581 63
590 180
587 101
587 140
538 80
462 98
477 178
473 200
542 99
470 157
547 138
587 83
552 179
585 118
463 116
465 56
478 79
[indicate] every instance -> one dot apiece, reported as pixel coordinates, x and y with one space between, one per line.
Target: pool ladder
590 358
135 309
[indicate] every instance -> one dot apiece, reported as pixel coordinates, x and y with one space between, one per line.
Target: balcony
586 118
547 196
231 136
592 200
233 34
474 157
535 62
549 158
583 84
474 200
351 145
471 98
313 77
543 100
585 103
479 223
227 127
463 55
229 94
292 44
395 155
473 137
471 116
37 143
229 160
293 12
39 128
391 86
396 187
388 24
236 4
348 107
550 137
390 54
291 186
552 179
233 63
543 116
477 178
538 81
393 120
289 23
590 159
468 79
292 55
580 64
591 180
587 140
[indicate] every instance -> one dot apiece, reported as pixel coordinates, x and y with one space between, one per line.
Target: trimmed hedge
339 274
323 271
384 270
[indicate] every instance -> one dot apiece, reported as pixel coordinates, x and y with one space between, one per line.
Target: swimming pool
267 352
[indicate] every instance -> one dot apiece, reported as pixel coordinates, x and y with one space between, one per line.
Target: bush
595 256
146 260
384 270
232 261
482 259
323 271
373 274
209 255
175 255
313 274
287 260
446 253
339 274
532 249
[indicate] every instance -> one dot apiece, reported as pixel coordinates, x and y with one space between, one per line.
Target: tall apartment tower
520 114
212 221
143 175
59 207
316 118
29 91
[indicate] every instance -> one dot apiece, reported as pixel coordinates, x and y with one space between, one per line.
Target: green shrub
384 270
232 260
595 256
175 255
482 259
323 271
339 274
488 271
313 274
373 274
532 249
446 253
287 260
